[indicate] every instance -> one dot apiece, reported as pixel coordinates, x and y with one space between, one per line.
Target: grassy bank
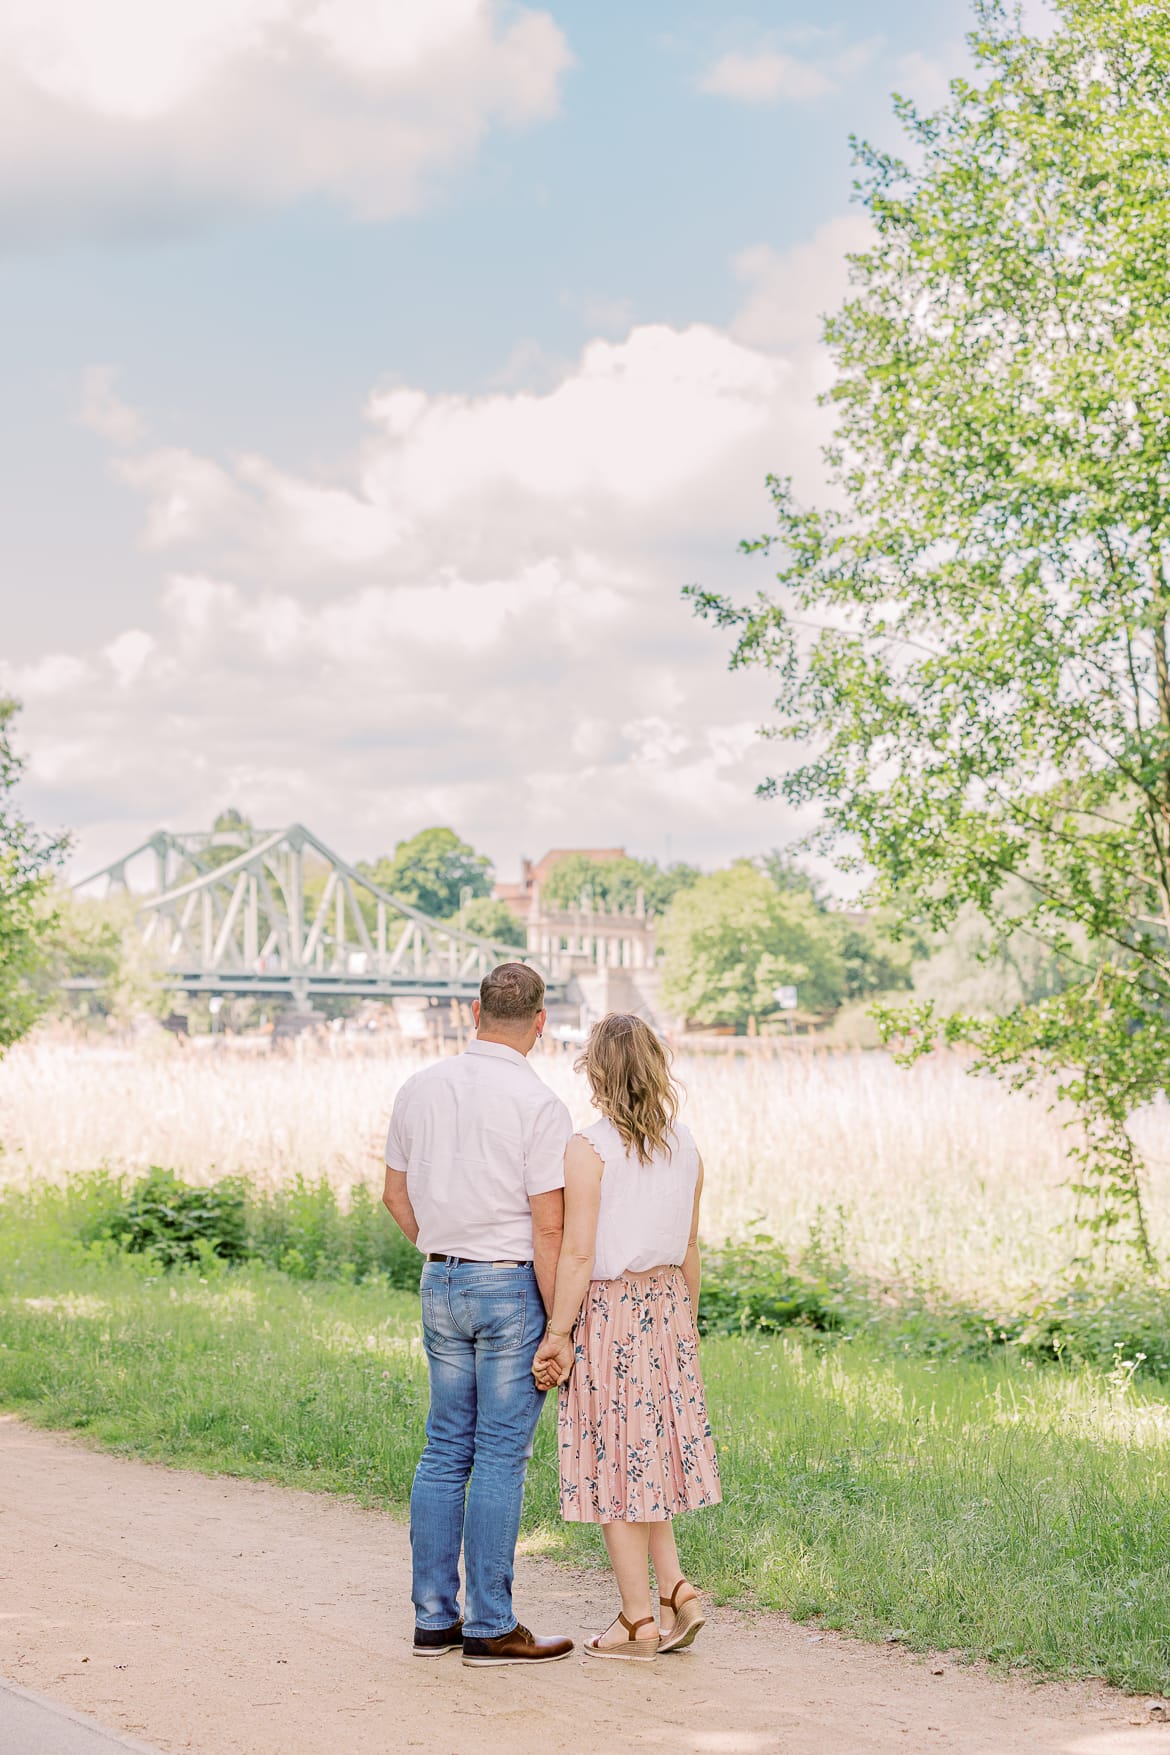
1008 1510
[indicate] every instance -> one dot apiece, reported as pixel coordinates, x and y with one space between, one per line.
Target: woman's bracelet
561 1334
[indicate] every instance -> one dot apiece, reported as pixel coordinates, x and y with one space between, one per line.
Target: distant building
534 873
606 956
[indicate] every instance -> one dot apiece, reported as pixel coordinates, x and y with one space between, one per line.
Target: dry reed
931 1170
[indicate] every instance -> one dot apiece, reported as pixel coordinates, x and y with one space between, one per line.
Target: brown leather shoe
518 1647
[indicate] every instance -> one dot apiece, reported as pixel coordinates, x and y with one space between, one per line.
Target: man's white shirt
477 1135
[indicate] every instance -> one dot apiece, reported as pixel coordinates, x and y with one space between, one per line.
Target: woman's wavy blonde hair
628 1069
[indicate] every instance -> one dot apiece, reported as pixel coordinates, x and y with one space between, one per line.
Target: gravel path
230 1618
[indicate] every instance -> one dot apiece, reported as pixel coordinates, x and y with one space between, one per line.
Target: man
475 1177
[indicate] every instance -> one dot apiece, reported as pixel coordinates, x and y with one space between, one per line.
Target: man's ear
541 1020
475 1012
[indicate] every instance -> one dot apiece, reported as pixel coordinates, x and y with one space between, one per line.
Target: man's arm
548 1226
395 1197
544 1177
396 1200
583 1170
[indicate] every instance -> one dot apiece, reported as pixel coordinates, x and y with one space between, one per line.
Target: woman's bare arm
692 1266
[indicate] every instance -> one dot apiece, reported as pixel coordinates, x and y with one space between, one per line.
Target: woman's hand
553 1361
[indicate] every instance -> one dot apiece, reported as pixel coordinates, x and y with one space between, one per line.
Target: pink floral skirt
635 1441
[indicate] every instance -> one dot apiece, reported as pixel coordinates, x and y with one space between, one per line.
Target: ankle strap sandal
632 1647
688 1619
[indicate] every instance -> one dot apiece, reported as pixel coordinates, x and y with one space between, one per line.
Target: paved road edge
100 1737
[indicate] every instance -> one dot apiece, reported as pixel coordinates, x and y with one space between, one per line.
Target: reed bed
922 1173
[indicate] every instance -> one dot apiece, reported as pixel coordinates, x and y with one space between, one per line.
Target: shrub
177 1223
1098 1324
302 1228
752 1287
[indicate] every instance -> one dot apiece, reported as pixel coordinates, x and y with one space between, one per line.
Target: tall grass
937 1174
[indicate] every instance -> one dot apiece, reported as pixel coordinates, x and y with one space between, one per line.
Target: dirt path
229 1618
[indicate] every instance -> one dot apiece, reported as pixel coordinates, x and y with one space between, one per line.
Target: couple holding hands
552 1258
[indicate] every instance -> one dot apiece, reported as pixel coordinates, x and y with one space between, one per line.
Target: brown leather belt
466 1261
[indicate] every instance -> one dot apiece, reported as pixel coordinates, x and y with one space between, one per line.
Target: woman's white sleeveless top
645 1216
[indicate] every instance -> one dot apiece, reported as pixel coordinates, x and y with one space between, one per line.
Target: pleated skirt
634 1438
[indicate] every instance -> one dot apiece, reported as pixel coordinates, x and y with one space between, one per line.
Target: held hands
553 1361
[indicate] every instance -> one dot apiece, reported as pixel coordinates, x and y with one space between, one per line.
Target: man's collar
497 1050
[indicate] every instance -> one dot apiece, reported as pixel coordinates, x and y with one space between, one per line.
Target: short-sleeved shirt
477 1135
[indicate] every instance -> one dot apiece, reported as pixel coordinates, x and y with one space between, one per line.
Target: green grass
751 1286
1009 1511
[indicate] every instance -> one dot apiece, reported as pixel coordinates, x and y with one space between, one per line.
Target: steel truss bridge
277 914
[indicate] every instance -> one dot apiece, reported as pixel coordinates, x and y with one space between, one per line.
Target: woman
635 1443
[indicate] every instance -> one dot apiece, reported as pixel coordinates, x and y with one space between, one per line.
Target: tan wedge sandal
633 1647
688 1619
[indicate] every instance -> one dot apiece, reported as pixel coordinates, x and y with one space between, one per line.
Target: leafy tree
662 883
489 918
733 936
576 876
234 833
98 941
971 971
432 870
234 822
84 943
973 635
27 860
873 959
615 882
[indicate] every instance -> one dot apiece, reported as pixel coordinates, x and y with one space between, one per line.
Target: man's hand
553 1361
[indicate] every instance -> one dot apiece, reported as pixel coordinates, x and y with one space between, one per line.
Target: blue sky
533 233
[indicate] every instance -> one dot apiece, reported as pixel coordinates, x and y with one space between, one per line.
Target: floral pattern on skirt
635 1442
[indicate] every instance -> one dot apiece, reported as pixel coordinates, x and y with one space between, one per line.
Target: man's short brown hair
512 993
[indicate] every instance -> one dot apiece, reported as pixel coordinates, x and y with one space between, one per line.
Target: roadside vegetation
890 1479
1115 1321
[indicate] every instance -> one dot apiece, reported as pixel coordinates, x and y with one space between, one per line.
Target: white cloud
767 75
103 411
47 678
1039 17
530 366
926 79
188 495
636 420
477 620
128 653
129 58
604 316
138 115
665 430
790 291
533 710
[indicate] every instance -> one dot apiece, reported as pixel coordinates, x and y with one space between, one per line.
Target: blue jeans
481 1328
